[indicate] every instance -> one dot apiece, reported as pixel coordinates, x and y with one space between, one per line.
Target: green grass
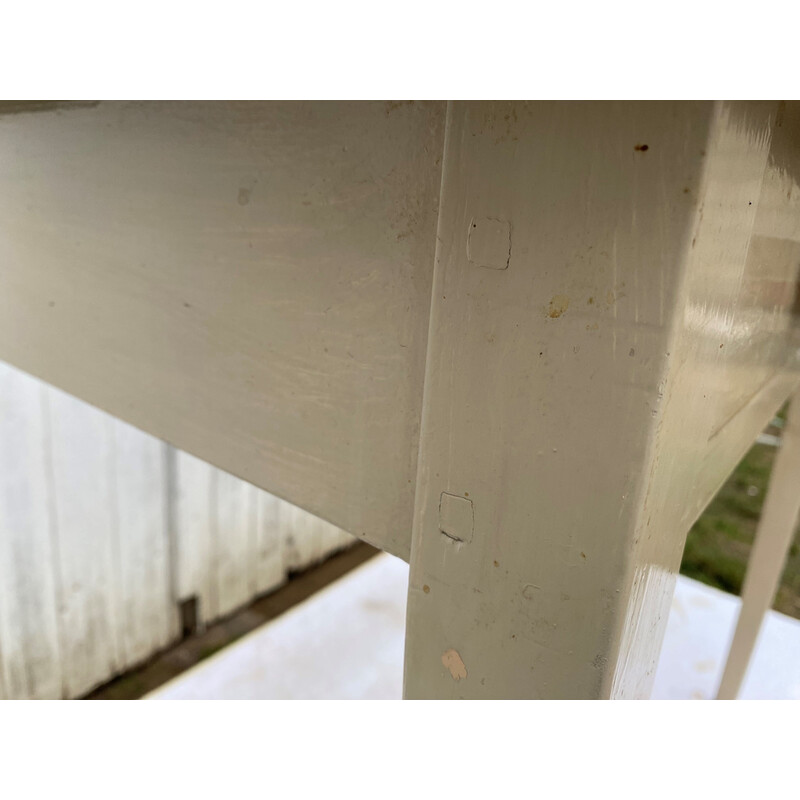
719 543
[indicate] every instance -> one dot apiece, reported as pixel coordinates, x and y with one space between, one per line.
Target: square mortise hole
456 517
489 243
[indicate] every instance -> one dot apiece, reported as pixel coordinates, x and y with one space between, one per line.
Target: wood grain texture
270 564
248 281
590 397
610 321
194 497
235 506
84 480
139 501
104 531
30 656
732 355
235 542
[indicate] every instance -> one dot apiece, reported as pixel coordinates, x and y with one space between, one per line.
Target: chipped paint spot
558 305
452 660
426 588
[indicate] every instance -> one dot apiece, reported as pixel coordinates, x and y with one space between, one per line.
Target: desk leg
773 538
571 430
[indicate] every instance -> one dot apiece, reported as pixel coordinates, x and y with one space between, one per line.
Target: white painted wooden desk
519 344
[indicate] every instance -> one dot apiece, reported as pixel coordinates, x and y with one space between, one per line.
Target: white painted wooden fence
105 530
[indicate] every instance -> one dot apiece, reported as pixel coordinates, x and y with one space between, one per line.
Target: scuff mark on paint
452 660
529 589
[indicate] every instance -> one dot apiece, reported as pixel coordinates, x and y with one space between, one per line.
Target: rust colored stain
558 305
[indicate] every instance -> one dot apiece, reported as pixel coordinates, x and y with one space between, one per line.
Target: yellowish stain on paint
558 305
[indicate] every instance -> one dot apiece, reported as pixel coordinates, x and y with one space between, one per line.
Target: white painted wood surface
234 541
776 530
583 402
263 264
284 660
83 503
345 642
29 641
701 622
612 321
105 530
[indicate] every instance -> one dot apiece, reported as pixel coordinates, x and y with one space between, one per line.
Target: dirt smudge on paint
558 305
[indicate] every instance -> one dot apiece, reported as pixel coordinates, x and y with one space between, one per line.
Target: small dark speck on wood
641 148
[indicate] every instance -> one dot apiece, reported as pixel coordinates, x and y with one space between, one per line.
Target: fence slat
236 541
194 550
29 647
149 616
104 530
83 504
